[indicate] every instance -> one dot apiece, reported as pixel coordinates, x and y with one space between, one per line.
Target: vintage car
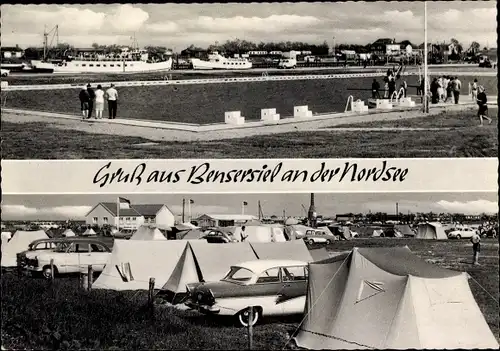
271 287
215 236
319 235
5 72
462 233
35 248
70 256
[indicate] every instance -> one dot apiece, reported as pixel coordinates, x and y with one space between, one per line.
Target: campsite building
223 220
131 217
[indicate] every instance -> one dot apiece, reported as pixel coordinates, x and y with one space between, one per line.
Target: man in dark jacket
375 89
84 102
91 99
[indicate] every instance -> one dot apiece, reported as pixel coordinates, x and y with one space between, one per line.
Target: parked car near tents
35 248
319 236
70 256
462 233
271 287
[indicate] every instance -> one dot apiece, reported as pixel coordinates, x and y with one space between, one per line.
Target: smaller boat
217 61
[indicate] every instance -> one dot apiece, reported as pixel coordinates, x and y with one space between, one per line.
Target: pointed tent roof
68 232
89 231
18 243
288 250
133 262
388 298
147 233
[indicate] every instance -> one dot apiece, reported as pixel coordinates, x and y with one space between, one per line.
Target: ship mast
46 39
312 213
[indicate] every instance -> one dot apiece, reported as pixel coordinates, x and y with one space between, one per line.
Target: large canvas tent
260 233
388 298
297 231
19 243
431 231
202 261
295 249
133 262
148 233
192 234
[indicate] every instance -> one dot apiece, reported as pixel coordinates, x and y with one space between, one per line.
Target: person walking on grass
99 102
474 90
84 102
112 96
91 99
482 102
375 89
476 247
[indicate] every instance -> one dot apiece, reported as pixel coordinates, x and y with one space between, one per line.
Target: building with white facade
130 216
223 220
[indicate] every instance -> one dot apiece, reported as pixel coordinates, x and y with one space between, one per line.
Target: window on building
133 218
152 220
127 219
94 220
105 220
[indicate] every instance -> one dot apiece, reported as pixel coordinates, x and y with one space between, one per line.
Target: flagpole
242 208
425 100
118 213
189 210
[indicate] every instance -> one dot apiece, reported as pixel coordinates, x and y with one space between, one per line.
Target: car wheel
47 272
243 317
459 237
328 241
310 241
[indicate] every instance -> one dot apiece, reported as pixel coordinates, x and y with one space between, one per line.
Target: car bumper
33 269
202 308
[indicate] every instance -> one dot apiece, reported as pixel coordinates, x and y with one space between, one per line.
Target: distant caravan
217 61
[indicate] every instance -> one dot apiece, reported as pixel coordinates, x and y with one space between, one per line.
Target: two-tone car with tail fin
271 287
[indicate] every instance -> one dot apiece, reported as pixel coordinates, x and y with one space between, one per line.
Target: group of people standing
445 88
90 99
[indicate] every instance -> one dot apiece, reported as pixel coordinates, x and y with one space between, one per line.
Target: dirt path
156 134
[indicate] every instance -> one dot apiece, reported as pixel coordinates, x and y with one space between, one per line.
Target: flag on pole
245 203
191 201
123 202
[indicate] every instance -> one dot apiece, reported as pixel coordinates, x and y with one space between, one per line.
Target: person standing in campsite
375 89
456 86
474 90
91 99
112 96
476 246
243 236
99 102
483 107
84 102
392 86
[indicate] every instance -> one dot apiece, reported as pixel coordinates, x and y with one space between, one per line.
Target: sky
61 207
178 25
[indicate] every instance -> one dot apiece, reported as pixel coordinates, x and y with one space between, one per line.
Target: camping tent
133 262
89 231
388 298
19 243
147 233
6 236
192 234
203 261
377 232
319 254
68 233
296 231
261 233
288 250
404 229
431 231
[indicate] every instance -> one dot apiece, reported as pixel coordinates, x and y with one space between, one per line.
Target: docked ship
217 61
134 61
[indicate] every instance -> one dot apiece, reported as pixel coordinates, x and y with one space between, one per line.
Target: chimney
312 213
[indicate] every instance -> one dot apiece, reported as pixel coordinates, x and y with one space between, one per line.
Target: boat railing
348 105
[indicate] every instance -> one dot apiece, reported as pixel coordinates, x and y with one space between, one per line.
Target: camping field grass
37 140
38 316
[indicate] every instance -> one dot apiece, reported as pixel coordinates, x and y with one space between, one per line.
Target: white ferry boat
94 62
217 61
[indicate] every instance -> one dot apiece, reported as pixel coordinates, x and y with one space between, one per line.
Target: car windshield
238 275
